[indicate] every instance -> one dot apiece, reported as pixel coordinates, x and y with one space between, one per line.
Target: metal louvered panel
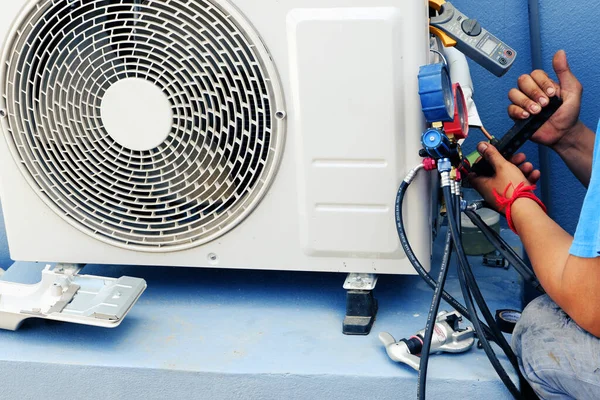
215 161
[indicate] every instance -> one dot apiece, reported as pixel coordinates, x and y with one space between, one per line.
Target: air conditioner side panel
348 119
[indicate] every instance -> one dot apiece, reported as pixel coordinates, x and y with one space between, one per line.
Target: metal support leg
361 305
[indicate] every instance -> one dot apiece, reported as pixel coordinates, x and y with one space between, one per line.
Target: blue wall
565 25
572 27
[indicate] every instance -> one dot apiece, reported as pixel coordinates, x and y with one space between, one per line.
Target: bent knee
539 326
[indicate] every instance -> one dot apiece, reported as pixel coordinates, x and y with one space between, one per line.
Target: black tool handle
518 135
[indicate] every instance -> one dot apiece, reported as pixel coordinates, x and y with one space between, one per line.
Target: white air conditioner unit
213 133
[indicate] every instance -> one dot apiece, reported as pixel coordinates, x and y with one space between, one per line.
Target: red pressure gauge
459 128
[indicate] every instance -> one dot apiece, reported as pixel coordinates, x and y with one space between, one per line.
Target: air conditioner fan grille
226 138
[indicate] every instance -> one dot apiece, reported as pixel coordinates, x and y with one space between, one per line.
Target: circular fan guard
228 126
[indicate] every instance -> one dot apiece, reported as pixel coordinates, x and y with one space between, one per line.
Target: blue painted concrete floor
222 334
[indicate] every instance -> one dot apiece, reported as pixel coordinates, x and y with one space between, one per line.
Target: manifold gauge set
445 108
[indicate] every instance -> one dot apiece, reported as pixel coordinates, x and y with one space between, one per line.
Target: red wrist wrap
521 191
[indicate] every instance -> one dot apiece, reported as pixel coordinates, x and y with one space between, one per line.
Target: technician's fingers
534 177
516 112
526 168
531 89
491 154
523 101
568 81
518 158
542 79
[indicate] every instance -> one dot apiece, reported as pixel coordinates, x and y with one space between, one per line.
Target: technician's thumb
563 71
490 153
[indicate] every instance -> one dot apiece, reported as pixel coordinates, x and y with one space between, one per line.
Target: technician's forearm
576 150
546 243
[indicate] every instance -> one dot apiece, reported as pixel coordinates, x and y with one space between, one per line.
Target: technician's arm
564 132
572 282
576 150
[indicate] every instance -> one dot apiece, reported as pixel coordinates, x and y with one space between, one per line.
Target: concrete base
218 334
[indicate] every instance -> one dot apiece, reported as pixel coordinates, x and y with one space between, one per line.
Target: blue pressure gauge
435 91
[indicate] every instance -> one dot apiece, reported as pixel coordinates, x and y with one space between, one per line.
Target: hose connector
413 174
457 187
445 180
444 165
429 164
459 176
476 205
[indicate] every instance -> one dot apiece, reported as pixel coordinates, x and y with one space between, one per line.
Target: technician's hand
506 173
520 160
534 92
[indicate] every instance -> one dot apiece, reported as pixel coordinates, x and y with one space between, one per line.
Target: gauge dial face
459 128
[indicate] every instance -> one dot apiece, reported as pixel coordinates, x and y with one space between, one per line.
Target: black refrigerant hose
517 262
417 264
432 317
474 287
505 250
467 280
463 275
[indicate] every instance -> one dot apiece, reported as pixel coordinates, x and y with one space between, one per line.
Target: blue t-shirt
587 236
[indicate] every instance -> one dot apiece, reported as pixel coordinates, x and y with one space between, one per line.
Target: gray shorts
558 358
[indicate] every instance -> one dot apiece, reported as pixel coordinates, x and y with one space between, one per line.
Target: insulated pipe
461 73
535 33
